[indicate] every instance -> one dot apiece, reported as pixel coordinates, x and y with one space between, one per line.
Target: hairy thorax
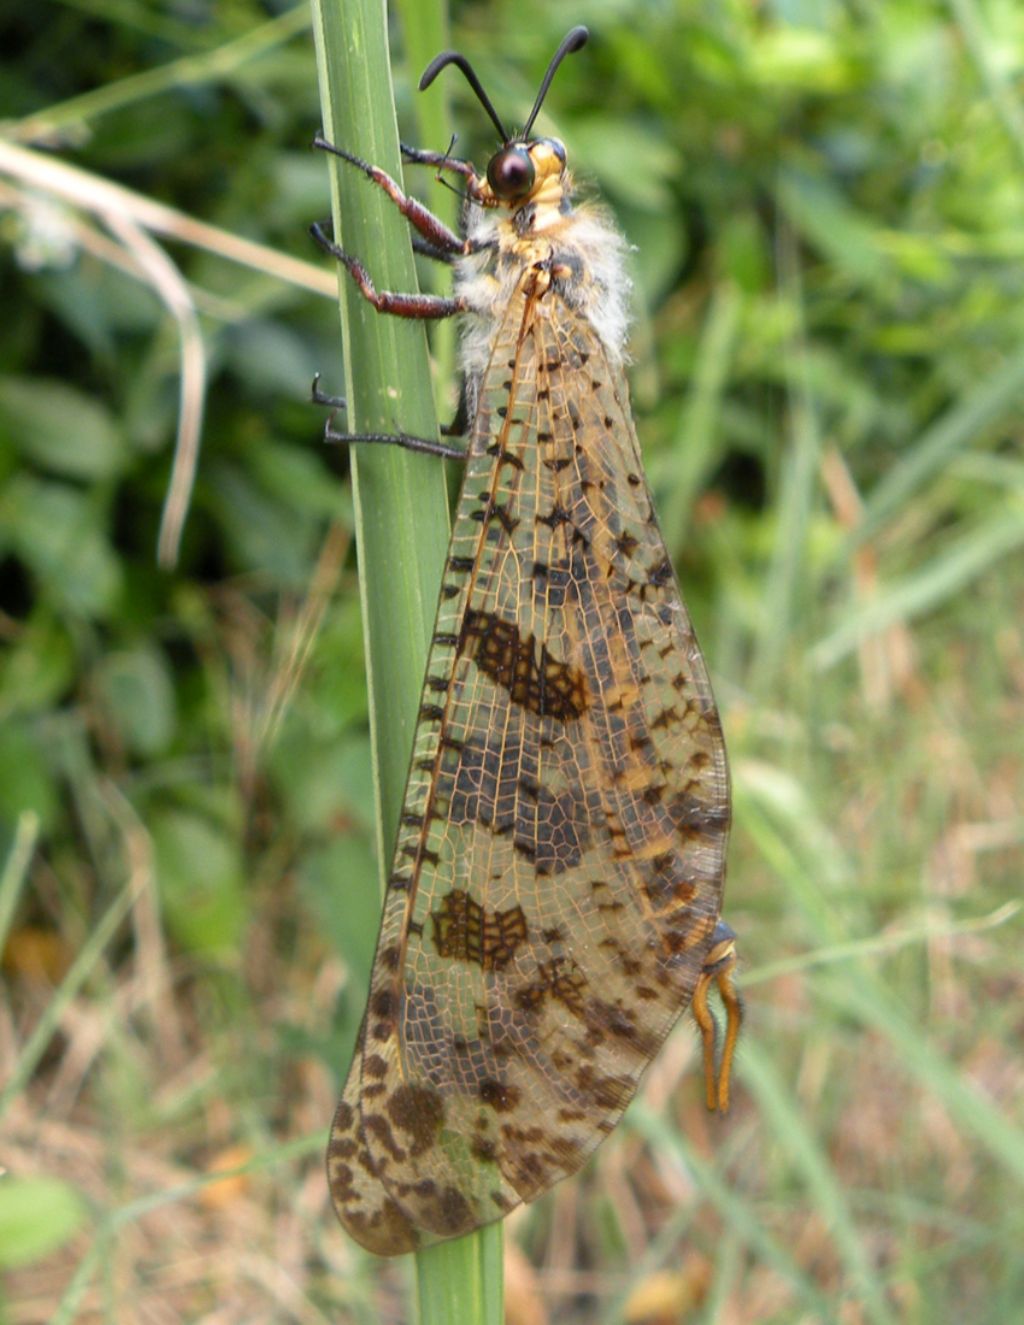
579 250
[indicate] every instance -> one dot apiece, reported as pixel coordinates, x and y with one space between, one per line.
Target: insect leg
418 156
433 230
319 397
428 250
384 301
425 445
459 425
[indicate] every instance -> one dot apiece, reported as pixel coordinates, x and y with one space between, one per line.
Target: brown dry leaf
228 1189
37 954
669 1297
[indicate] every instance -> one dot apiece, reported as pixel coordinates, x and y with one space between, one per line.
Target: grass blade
401 507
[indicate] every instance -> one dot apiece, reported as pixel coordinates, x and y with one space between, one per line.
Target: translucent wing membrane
558 872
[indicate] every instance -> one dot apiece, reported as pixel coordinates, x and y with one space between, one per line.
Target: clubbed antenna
439 62
572 41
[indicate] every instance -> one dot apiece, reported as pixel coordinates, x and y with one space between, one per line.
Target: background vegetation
826 201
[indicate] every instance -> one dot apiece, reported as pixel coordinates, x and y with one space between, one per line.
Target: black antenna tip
446 58
572 41
435 66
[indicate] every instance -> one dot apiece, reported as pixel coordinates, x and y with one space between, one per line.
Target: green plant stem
400 501
400 504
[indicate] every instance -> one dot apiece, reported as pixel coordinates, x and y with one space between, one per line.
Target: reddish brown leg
433 230
418 156
384 301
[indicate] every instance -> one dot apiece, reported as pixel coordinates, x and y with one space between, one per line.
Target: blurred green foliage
825 200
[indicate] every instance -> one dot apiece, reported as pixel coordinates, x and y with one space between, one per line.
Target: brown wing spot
661 573
604 1019
496 511
418 1111
341 1148
566 982
341 1178
560 978
464 930
504 456
607 1092
695 818
528 998
484 1150
454 1211
523 665
377 1126
499 1095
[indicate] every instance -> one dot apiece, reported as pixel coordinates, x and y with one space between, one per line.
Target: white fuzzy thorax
584 237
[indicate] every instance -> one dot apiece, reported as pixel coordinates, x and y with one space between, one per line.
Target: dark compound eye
510 173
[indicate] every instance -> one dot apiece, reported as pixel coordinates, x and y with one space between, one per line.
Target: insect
553 900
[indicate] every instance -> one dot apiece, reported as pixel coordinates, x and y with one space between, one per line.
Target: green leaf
37 1217
56 530
632 162
800 57
347 864
845 236
60 428
26 782
200 880
265 534
37 667
271 359
136 688
323 782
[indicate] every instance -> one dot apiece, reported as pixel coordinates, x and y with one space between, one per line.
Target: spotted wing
559 865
